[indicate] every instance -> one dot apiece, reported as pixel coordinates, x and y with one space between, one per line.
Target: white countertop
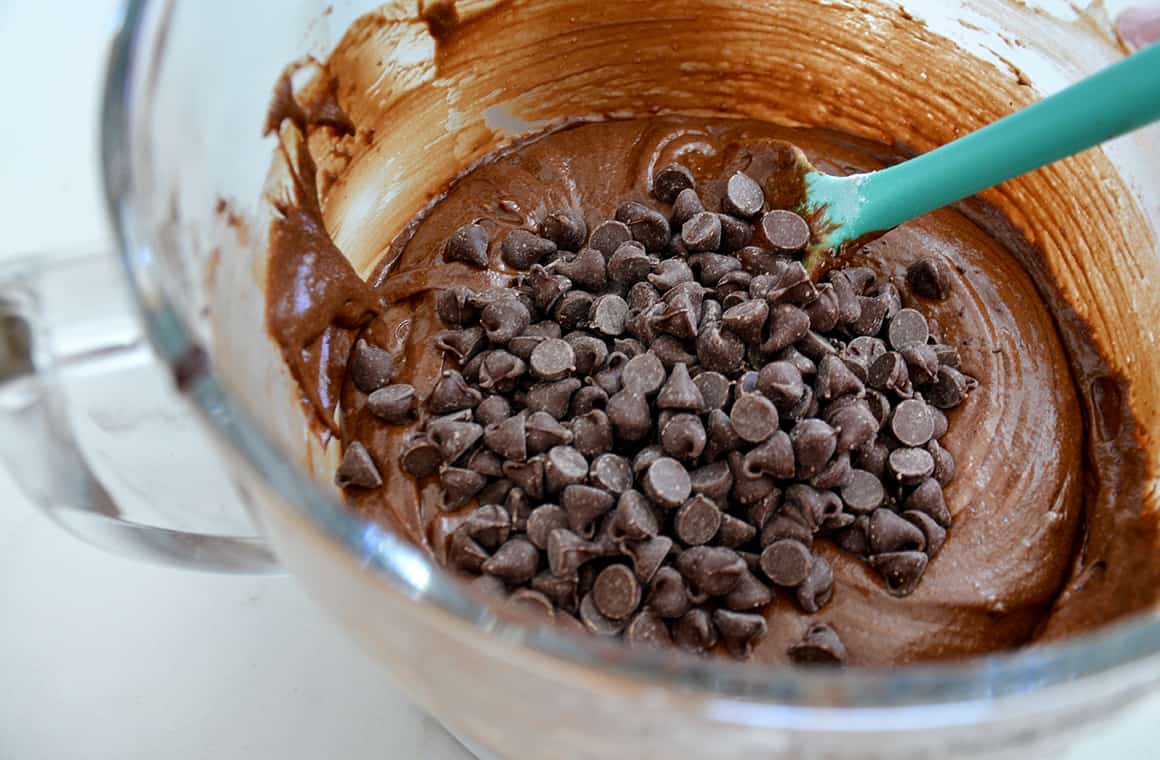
102 657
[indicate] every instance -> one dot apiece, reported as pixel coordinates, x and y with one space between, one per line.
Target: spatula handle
1119 99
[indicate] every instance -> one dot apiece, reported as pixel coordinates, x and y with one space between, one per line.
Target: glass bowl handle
94 431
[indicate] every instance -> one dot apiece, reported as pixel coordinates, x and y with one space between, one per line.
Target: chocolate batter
1049 538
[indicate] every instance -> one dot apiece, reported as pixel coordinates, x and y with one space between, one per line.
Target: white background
105 658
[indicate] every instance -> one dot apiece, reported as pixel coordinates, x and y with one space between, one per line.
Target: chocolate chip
467 244
907 328
371 367
584 505
721 436
595 621
490 525
901 570
819 646
683 436
786 562
587 269
667 482
647 628
749 594
787 325
629 264
934 535
465 553
668 596
697 521
863 493
713 481
686 205
529 601
634 518
944 463
743 196
489 585
872 313
492 410
889 373
568 551
501 370
608 315
420 457
928 498
670 181
513 562
547 288
588 352
521 248
671 351
616 592
719 350
702 232
572 310
609 236
735 234
562 591
855 538
552 397
611 472
749 489
497 491
940 424
740 631
357 468
786 526
785 231
818 587
485 462
649 227
891 533
872 458
835 474
508 438
930 277
563 467
823 310
648 556
734 532
835 379
552 359
393 404
912 423
814 442
860 353
527 475
855 425
592 433
774 457
950 388
910 466
947 355
816 346
504 319
644 374
817 507
747 320
565 228
460 485
849 308
889 295
714 570
922 361
629 413
542 521
695 631
754 417
453 305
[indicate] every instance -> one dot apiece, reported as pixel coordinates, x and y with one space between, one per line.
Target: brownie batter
1049 538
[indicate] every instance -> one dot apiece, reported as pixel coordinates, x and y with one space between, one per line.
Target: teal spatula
1118 99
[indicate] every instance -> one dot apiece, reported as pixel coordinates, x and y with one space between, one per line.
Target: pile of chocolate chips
647 433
